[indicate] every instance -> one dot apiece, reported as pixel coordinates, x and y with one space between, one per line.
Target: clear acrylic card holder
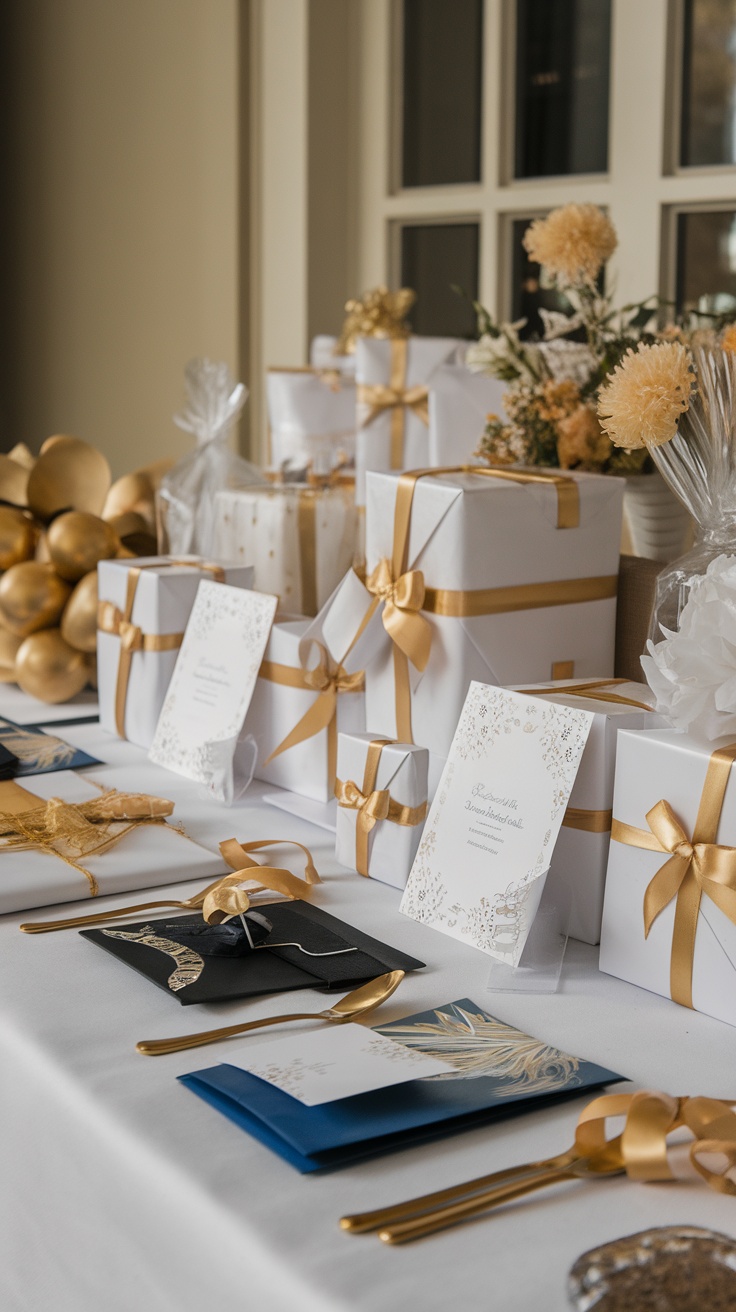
540 964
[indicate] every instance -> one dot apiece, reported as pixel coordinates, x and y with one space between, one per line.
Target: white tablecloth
121 1190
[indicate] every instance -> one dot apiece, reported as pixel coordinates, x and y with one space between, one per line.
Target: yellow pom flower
573 242
646 395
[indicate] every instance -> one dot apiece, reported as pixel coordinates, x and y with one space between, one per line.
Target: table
121 1190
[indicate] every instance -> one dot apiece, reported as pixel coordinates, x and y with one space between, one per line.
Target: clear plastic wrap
185 501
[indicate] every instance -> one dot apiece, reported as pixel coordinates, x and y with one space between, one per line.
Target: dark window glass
443 64
563 55
527 293
709 83
435 257
706 261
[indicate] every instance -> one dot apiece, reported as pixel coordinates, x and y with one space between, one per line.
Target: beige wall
123 222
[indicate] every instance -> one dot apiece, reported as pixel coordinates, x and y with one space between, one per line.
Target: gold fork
194 903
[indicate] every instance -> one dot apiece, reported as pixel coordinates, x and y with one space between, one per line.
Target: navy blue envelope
36 751
496 1072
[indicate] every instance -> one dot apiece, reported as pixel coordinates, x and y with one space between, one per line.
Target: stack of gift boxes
505 576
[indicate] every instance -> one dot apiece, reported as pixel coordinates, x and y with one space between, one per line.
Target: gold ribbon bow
229 898
397 398
329 678
373 804
403 599
110 619
696 866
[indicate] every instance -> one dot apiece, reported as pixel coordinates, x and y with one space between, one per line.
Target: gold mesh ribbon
229 897
329 679
373 804
110 619
696 866
396 398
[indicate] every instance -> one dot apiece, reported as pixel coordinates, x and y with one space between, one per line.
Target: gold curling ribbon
397 398
373 804
329 678
695 867
229 897
110 619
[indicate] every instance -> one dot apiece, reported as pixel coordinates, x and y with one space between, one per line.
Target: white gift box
671 766
395 436
511 597
300 538
459 404
282 698
311 417
402 773
164 596
577 874
322 355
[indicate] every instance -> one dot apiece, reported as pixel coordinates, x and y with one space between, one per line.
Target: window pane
434 258
443 60
709 83
706 261
527 293
563 50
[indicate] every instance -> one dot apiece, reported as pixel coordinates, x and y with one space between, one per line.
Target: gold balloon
127 523
79 621
32 597
22 456
128 493
9 645
68 475
77 541
17 537
42 552
48 668
14 480
56 437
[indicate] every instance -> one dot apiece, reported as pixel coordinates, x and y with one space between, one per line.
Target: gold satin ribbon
373 804
696 866
110 619
396 398
229 898
329 679
590 822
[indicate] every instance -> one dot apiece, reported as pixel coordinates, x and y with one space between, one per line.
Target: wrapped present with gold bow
459 405
311 417
577 873
393 377
143 609
669 914
305 693
301 537
381 791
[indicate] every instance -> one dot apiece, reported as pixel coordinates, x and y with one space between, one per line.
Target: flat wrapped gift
459 405
577 873
381 791
311 417
669 914
304 695
143 609
302 538
393 377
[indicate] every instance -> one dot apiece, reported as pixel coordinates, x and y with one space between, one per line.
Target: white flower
557 324
693 672
504 356
568 360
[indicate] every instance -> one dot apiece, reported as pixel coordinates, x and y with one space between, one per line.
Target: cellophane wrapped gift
323 355
301 538
669 915
143 609
303 696
185 500
381 791
311 418
577 874
459 405
393 377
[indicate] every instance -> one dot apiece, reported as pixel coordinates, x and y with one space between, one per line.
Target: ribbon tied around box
329 679
373 804
395 397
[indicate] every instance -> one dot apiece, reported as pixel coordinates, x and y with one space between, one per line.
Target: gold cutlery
194 903
354 1004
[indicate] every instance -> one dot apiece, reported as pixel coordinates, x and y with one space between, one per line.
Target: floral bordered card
480 869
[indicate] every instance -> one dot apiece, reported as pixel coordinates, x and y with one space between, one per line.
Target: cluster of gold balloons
60 514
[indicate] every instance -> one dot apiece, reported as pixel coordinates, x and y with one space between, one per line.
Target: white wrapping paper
322 355
163 600
669 765
459 405
402 769
311 417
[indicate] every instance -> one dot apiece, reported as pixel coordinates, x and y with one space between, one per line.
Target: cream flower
572 242
646 394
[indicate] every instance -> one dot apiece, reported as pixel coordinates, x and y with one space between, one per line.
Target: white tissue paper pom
692 673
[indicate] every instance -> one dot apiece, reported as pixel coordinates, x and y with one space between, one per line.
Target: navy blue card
497 1071
38 752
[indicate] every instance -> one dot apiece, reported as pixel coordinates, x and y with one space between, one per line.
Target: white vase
657 522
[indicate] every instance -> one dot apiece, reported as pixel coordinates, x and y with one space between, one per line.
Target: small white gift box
459 405
301 538
381 792
393 377
669 915
577 874
311 417
303 696
322 355
143 609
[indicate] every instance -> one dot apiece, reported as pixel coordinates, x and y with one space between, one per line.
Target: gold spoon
357 1003
194 903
